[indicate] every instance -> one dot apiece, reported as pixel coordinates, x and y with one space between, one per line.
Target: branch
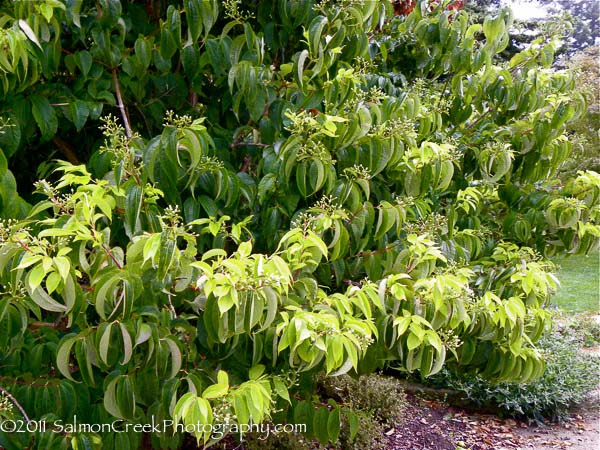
374 252
36 325
247 144
120 104
58 324
16 403
481 117
66 150
109 253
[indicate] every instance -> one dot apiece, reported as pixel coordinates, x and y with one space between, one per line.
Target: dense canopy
258 192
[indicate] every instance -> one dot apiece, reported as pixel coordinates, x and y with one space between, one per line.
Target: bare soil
435 426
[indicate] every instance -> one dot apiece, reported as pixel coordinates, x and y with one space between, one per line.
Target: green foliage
371 434
585 328
283 441
339 191
576 22
569 377
372 404
380 396
586 131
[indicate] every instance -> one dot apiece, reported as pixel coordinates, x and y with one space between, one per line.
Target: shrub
372 404
590 329
583 327
371 434
281 441
339 190
569 376
382 397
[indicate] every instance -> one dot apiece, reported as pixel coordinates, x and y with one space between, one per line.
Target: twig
350 219
247 144
16 403
481 117
247 164
374 252
37 325
120 104
109 253
155 99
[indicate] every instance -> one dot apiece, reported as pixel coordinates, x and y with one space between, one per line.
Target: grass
580 283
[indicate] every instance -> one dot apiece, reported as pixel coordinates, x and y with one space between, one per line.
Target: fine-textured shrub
280 441
585 328
370 435
380 396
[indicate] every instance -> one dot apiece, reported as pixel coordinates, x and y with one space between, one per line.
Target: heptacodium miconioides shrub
339 191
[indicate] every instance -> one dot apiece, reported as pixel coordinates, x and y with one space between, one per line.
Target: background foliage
340 190
576 21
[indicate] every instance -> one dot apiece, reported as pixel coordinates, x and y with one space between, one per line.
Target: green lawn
580 283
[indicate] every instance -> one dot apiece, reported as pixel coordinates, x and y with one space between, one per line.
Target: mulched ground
434 425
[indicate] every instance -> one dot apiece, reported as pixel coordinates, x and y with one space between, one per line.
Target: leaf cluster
340 190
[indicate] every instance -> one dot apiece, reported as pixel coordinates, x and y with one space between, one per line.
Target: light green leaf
215 391
52 282
63 264
36 276
110 399
29 32
413 341
223 378
315 30
143 334
300 67
43 300
281 389
28 260
256 371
